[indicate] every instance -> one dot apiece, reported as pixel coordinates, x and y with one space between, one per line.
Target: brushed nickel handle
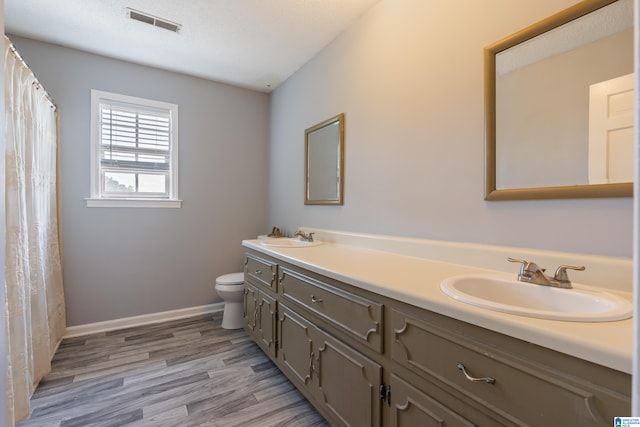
311 366
314 299
256 311
258 272
487 380
561 272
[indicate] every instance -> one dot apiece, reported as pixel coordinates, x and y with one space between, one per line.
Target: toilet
230 288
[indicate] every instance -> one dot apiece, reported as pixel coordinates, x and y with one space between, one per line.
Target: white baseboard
145 319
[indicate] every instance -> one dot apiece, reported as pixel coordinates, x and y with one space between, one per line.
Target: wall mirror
560 106
324 162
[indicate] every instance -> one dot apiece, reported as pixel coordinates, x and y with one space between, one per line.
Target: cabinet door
411 407
265 331
295 347
250 305
347 382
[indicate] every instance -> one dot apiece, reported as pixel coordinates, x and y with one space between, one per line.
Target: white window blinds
131 139
134 148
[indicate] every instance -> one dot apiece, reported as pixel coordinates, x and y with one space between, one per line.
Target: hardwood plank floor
182 373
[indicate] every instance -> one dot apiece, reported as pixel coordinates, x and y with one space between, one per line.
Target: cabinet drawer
523 392
260 272
413 407
359 317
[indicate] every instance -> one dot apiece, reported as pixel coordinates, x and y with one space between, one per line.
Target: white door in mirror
611 129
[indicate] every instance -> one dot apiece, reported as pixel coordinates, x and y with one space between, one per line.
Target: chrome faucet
531 273
304 236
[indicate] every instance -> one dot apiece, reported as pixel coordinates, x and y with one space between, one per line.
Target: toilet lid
231 279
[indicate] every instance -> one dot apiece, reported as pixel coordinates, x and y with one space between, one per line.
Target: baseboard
145 319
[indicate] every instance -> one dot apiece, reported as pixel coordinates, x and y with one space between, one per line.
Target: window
134 152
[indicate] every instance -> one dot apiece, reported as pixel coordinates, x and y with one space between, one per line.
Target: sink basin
579 304
288 243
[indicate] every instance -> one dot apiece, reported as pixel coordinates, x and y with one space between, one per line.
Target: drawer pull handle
314 299
487 380
259 272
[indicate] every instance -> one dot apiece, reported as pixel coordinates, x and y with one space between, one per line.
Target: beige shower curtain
35 309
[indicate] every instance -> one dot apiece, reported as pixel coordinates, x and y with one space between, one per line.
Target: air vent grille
136 15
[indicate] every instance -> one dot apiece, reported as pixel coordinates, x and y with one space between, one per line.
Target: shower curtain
34 306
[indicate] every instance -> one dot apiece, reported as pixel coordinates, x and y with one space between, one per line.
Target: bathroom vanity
369 338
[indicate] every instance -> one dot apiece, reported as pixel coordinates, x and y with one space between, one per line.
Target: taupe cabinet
259 302
363 359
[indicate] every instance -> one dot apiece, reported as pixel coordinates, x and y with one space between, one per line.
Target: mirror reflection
560 106
324 162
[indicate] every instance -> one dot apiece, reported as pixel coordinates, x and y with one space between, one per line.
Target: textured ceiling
250 43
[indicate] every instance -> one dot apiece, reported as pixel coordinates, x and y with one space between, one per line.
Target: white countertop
416 281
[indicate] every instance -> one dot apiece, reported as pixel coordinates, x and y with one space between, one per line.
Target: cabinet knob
487 380
314 299
258 272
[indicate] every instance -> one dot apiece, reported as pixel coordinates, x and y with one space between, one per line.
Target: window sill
133 203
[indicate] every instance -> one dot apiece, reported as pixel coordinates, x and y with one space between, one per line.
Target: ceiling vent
136 15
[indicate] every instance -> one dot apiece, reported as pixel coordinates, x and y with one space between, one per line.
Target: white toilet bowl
230 288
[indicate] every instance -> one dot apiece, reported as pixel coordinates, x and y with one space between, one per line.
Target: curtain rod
36 83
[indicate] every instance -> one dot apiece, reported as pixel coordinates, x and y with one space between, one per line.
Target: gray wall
121 262
409 76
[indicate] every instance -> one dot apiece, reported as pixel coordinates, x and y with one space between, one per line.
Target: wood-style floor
181 373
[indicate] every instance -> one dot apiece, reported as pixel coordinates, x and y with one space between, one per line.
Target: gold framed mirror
543 91
324 162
